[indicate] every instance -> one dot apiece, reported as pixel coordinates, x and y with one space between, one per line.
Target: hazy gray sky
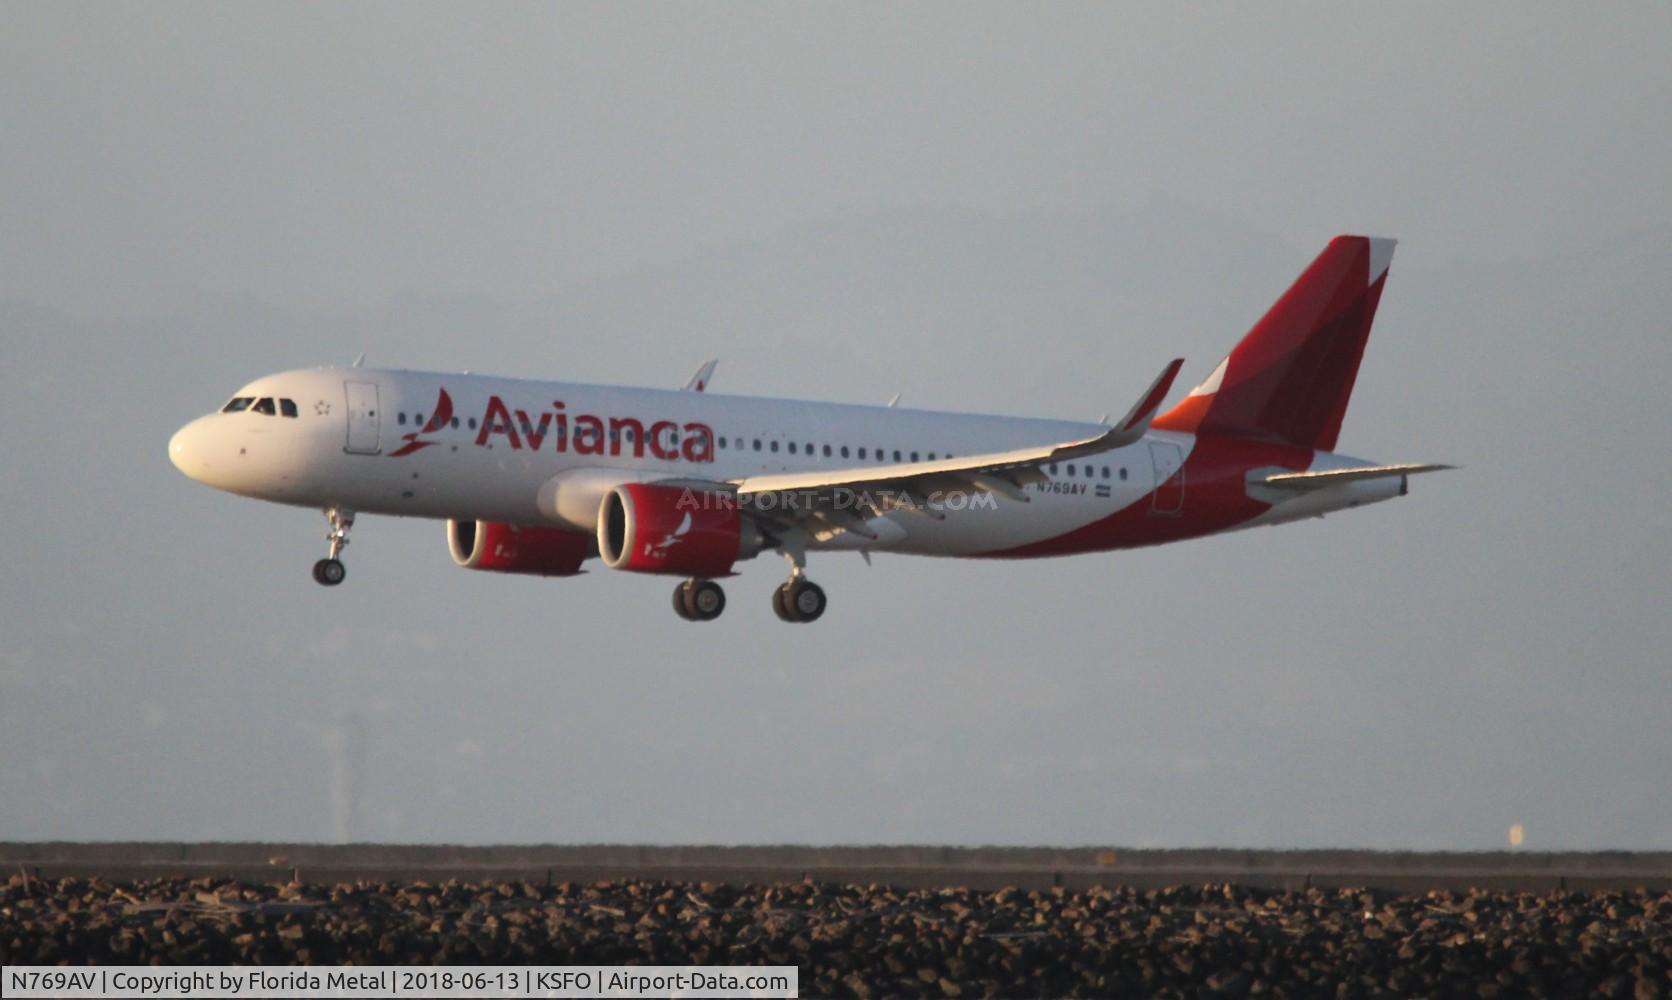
1021 209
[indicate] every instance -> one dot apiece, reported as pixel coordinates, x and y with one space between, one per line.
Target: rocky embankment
1213 940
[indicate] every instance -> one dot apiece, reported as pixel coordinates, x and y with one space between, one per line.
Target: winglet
1140 415
1133 426
699 381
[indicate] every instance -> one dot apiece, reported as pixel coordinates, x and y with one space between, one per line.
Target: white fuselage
368 440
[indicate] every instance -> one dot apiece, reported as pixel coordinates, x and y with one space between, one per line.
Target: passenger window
418 418
1123 473
1053 468
472 423
931 456
238 405
844 451
862 453
792 447
1105 472
774 447
287 407
455 423
826 451
264 405
757 444
914 456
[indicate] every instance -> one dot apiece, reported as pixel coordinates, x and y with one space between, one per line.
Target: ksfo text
470 982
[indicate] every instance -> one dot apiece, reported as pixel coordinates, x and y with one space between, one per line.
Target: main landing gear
798 599
699 600
330 571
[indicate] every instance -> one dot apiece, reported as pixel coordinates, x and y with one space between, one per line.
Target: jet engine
510 548
645 528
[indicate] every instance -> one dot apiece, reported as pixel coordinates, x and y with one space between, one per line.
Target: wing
908 484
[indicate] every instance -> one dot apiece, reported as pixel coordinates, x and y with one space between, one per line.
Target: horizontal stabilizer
1332 477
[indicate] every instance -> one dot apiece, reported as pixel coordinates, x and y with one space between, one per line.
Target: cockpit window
287 407
264 405
239 404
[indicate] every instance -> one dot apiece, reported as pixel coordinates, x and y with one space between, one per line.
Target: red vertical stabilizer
1289 379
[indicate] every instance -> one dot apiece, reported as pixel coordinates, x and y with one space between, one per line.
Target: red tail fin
1289 378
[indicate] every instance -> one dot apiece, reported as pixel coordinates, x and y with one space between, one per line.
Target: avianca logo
582 433
659 550
442 416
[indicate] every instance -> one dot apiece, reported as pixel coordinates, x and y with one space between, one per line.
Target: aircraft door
363 419
1167 459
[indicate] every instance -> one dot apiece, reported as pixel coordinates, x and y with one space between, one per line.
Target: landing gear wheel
799 600
329 572
806 600
681 605
707 600
699 600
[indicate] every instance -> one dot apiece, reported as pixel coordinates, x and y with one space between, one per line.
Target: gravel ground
1212 940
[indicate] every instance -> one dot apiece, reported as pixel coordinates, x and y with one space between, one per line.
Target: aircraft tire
682 601
779 603
706 600
806 601
329 572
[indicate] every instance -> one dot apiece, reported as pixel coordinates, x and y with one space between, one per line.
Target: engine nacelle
670 529
510 548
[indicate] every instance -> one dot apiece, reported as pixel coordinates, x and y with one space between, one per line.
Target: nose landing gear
699 600
330 571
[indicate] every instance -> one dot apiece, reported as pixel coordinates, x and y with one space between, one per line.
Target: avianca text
582 433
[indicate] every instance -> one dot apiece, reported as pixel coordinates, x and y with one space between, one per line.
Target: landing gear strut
798 599
699 600
330 571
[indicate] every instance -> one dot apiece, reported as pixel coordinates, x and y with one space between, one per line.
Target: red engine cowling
670 529
510 548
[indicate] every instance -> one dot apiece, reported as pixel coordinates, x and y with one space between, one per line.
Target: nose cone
188 450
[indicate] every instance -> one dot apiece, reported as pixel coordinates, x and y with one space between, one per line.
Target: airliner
539 477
